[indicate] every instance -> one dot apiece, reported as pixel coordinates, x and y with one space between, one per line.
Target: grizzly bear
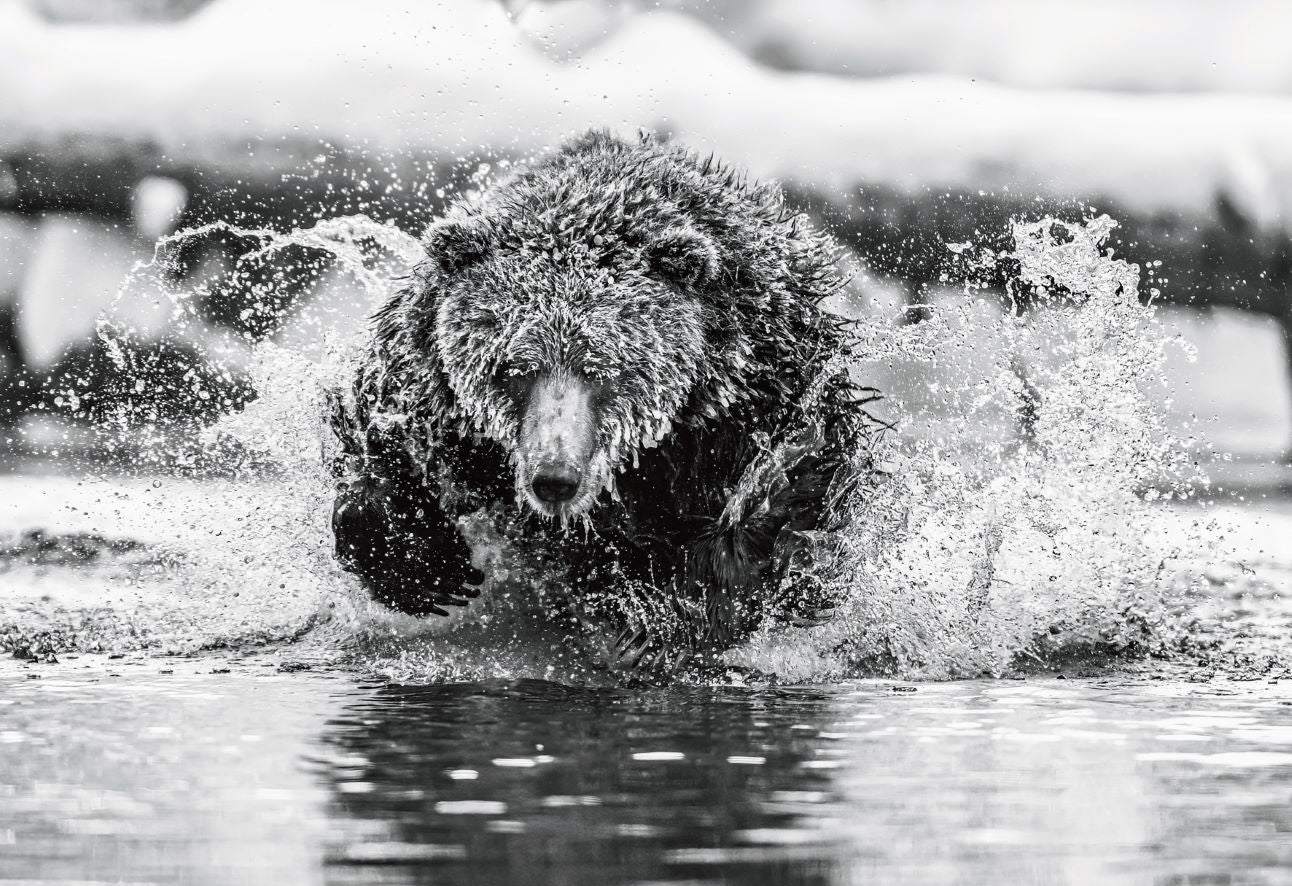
620 353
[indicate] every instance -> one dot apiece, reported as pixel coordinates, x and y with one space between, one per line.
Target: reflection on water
538 783
196 777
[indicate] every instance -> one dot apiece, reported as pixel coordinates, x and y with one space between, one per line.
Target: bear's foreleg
395 536
813 509
409 554
388 523
758 561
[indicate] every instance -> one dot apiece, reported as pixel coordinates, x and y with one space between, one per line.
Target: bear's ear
456 244
684 256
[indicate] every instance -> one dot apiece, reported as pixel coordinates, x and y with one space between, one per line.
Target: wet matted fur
670 309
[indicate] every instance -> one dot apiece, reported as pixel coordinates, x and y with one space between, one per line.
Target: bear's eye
476 314
513 377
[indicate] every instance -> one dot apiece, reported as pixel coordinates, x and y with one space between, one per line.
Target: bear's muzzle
557 437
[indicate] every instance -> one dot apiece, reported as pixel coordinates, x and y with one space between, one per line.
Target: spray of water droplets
1011 523
1010 518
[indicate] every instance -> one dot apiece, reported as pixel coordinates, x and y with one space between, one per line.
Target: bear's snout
556 483
557 436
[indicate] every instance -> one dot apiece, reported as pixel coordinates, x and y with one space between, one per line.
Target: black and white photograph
645 442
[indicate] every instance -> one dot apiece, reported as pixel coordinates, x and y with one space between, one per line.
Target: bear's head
571 335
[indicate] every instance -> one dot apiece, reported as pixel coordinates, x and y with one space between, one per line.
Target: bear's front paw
409 554
426 576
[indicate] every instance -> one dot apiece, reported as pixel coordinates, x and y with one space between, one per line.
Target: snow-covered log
1142 45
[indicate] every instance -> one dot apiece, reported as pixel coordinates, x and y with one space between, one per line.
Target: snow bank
1145 45
456 78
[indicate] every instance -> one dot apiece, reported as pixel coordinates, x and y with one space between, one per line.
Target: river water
237 731
228 771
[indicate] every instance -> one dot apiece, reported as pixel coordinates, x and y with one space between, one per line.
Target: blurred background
911 128
150 151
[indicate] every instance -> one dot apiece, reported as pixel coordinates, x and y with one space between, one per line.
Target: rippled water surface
140 770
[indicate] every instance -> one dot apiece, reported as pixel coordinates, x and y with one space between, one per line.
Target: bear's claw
641 654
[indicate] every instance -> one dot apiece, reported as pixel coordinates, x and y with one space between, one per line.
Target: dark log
1214 259
282 182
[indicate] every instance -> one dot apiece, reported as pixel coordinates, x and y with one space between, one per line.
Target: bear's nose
554 485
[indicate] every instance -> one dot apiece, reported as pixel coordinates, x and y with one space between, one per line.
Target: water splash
976 545
984 542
